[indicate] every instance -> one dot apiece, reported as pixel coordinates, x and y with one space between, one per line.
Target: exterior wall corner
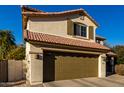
34 67
102 66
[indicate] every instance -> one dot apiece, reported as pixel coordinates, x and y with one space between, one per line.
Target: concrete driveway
110 81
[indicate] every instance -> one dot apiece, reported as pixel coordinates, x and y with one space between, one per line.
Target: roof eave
26 37
78 11
74 47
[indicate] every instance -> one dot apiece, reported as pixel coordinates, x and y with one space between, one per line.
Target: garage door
61 66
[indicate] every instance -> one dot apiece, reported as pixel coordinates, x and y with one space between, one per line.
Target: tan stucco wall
48 26
16 70
36 70
35 48
102 66
34 65
56 26
83 19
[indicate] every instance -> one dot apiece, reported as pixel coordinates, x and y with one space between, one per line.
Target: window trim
80 24
81 31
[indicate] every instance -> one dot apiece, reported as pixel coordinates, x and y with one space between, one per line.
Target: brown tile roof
33 36
63 13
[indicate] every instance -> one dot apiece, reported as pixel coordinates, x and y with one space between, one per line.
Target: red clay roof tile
33 36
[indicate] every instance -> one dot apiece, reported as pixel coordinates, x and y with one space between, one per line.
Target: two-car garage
65 65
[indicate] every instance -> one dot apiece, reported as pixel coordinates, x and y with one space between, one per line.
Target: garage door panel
67 67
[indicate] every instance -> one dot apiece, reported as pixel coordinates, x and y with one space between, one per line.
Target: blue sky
110 19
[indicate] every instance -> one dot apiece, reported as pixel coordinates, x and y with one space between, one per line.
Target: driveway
110 81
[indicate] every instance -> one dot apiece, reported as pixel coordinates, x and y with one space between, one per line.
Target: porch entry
110 66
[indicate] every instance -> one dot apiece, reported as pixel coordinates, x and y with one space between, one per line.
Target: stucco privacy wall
36 69
16 70
56 25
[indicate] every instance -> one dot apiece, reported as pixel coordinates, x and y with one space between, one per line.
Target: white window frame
80 31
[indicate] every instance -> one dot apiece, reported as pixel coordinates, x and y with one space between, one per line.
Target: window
83 31
80 30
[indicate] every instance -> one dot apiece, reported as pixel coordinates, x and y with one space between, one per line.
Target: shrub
17 53
119 69
119 50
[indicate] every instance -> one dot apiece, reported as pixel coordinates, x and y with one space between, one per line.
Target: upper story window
80 30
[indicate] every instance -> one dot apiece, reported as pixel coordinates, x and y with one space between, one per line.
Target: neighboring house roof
100 37
111 54
70 12
46 38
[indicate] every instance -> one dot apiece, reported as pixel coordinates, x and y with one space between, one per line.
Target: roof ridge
68 11
32 9
74 11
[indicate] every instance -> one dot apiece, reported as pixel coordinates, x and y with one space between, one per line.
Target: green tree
17 53
119 50
7 41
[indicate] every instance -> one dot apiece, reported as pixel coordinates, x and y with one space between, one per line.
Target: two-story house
62 45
